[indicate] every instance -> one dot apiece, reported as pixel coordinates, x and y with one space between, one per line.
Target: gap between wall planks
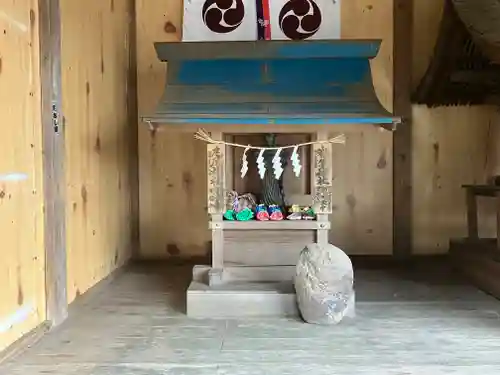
402 141
53 162
173 171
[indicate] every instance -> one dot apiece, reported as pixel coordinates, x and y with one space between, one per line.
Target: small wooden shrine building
239 89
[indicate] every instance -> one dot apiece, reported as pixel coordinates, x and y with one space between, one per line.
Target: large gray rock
324 285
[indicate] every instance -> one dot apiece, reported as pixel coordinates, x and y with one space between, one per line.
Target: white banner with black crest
305 19
219 20
232 20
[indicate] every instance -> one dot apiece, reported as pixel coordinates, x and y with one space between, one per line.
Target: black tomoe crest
223 16
300 19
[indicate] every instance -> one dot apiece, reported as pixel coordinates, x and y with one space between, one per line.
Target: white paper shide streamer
261 165
277 162
296 161
244 163
277 166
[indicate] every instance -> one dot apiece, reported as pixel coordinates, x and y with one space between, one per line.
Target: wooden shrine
238 89
253 243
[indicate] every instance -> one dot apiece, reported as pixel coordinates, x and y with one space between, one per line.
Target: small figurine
275 213
240 202
295 213
245 214
229 215
261 213
242 207
308 214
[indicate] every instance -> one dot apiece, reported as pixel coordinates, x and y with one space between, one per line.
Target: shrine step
241 299
248 274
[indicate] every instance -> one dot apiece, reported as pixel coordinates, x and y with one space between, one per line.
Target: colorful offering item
240 202
295 213
246 200
275 213
229 215
245 214
308 214
261 213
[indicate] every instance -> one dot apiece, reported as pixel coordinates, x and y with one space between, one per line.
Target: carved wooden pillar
216 175
216 202
322 185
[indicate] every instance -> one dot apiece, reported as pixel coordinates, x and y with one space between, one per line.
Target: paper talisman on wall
233 20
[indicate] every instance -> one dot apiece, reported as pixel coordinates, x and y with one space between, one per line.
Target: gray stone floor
414 322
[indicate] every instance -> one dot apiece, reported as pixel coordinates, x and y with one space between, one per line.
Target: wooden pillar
133 132
498 219
402 139
322 185
472 225
53 162
216 201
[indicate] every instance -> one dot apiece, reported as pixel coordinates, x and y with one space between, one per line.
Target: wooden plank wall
173 218
96 43
452 146
22 277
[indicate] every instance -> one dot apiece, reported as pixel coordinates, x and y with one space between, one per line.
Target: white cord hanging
204 136
277 163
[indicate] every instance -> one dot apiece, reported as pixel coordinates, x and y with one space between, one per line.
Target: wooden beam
403 145
472 224
133 136
498 220
53 162
258 129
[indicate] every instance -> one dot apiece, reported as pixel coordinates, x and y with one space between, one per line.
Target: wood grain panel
453 146
22 277
265 248
173 216
362 193
172 167
96 44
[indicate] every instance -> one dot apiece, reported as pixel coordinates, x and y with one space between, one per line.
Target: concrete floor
415 322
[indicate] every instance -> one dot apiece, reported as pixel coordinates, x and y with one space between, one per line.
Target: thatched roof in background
482 20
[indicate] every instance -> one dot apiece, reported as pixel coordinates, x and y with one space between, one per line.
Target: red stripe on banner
267 19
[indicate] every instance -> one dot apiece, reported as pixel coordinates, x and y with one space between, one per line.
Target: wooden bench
472 192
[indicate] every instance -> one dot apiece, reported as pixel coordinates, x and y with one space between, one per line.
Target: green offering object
244 215
308 214
229 215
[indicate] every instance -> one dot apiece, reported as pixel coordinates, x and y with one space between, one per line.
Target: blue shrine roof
270 82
